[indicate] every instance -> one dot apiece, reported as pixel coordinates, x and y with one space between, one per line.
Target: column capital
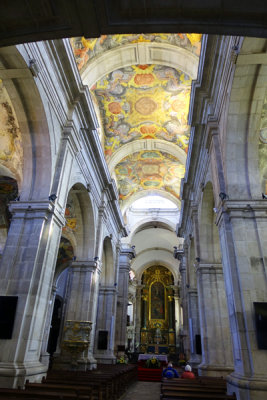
243 209
36 209
178 253
107 290
88 265
128 252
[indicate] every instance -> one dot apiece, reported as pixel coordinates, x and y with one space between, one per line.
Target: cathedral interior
133 187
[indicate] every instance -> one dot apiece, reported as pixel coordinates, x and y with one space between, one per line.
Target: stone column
194 328
172 344
177 312
126 255
217 357
184 303
79 318
243 232
26 272
144 312
107 298
45 357
138 315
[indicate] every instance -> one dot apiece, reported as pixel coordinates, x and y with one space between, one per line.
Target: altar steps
149 374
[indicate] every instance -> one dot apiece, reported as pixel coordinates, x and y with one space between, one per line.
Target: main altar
158 327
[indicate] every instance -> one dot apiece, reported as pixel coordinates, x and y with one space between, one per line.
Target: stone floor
143 391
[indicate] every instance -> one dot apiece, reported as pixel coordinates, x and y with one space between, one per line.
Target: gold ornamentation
76 336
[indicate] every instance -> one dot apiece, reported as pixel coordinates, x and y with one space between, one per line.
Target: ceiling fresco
144 102
11 151
148 102
148 170
87 49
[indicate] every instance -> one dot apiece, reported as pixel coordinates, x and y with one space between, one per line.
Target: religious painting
157 301
65 253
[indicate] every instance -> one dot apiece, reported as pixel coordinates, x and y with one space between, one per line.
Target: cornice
242 209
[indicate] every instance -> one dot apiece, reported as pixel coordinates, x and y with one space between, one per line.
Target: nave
133 196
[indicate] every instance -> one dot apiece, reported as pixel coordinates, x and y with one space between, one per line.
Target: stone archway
30 119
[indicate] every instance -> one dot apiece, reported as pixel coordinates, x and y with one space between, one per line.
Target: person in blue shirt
170 372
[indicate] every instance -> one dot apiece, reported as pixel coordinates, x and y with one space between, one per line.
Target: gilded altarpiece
157 332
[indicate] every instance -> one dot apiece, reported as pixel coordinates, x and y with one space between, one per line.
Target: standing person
188 374
170 372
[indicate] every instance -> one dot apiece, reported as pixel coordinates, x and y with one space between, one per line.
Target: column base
45 359
194 360
214 370
14 375
107 358
247 388
67 362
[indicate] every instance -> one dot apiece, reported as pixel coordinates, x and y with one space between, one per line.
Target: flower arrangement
153 363
121 360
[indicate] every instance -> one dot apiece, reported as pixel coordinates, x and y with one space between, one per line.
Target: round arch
143 144
155 257
163 263
33 124
138 195
80 221
140 53
108 268
241 149
160 223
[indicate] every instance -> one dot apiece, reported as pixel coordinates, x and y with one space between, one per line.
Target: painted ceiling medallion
143 102
145 106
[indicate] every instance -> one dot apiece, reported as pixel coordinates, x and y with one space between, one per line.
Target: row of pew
205 388
108 382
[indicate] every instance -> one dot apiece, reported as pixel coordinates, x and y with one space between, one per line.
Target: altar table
160 357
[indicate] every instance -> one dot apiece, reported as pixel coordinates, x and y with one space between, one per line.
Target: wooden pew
108 382
174 395
195 389
81 392
36 395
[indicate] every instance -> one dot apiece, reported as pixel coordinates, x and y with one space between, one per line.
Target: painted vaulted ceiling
146 104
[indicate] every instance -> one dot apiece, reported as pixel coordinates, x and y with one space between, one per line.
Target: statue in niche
157 301
157 337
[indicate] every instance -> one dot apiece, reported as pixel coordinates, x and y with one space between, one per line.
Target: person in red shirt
188 374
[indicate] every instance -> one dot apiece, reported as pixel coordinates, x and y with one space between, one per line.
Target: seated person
188 374
170 372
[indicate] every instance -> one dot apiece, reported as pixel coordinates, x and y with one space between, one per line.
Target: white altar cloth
160 357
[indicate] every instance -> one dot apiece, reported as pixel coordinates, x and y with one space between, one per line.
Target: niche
261 324
8 306
102 340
